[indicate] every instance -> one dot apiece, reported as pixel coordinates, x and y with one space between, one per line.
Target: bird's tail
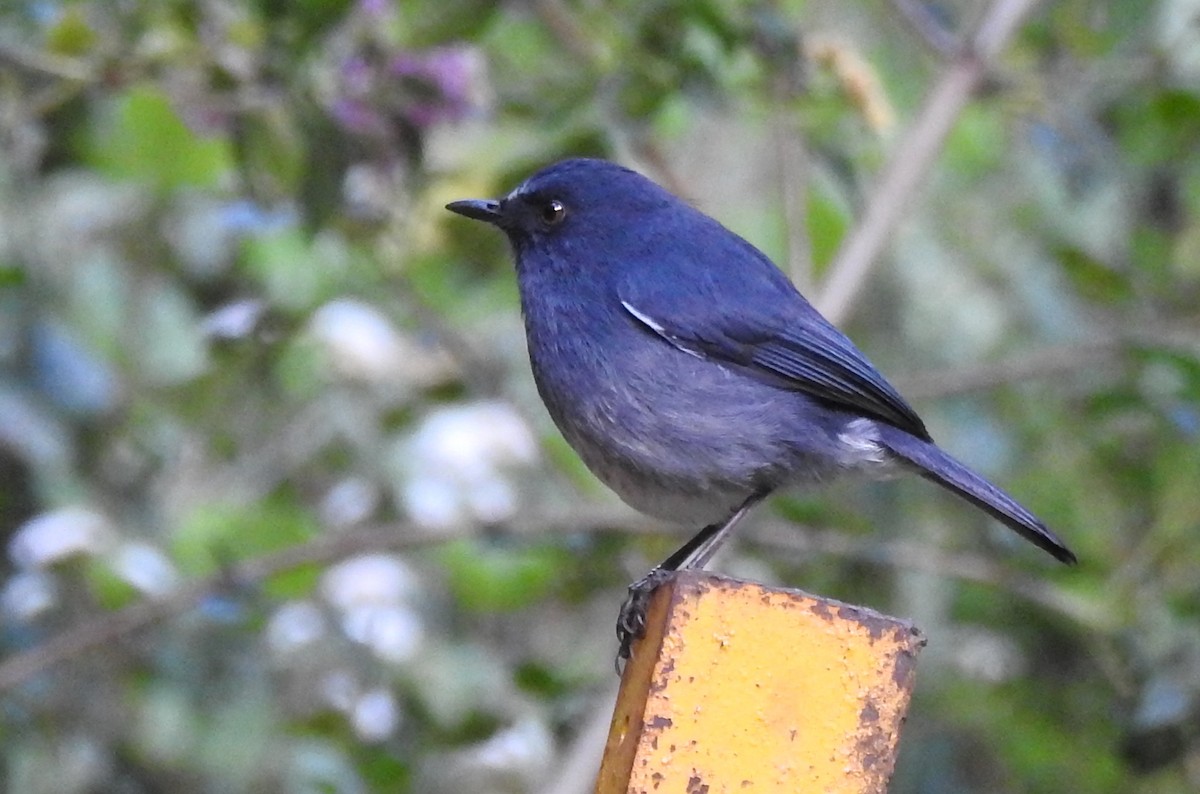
933 464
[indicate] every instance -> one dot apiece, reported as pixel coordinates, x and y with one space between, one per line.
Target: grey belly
688 440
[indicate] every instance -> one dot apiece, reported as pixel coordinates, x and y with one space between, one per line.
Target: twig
562 24
44 63
931 30
112 627
962 566
912 159
793 186
1104 349
1046 363
115 627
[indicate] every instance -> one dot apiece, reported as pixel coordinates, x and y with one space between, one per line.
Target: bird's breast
674 435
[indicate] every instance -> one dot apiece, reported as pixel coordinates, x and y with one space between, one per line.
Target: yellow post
737 687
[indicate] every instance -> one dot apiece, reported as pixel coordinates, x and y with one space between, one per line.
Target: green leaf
296 273
1158 128
11 275
490 578
295 583
828 220
977 143
170 348
1093 279
216 534
110 590
272 152
71 34
142 138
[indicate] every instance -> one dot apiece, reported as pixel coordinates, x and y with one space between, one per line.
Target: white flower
349 502
234 320
146 568
27 595
454 464
361 341
369 579
295 625
51 537
363 344
526 747
395 634
371 592
340 689
375 715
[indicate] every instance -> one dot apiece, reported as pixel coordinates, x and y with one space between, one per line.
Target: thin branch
45 64
913 158
1105 349
907 555
646 150
570 33
998 26
1060 360
116 627
921 19
793 186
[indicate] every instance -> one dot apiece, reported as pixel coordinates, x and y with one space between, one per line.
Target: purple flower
447 83
374 8
422 87
358 116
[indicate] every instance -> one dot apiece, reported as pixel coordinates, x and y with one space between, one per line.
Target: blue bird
689 373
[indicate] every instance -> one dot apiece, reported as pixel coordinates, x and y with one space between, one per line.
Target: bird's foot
631 622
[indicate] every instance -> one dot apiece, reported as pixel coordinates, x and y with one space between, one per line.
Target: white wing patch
644 319
657 328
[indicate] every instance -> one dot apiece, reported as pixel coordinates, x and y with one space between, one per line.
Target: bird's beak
486 210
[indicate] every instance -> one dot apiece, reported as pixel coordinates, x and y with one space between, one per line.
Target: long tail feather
935 465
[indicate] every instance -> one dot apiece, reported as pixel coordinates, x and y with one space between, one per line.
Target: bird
689 373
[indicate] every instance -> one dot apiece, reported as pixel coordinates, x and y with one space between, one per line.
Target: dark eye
553 212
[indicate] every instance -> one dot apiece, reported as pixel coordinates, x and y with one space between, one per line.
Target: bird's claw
631 621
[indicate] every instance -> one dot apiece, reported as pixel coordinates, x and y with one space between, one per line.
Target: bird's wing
766 329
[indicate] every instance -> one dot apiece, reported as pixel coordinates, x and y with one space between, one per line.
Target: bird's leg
699 549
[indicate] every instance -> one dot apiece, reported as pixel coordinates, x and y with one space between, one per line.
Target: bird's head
571 204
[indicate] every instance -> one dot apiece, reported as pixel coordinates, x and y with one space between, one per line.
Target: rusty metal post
737 687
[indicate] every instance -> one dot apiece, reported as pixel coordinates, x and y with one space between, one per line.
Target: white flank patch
862 442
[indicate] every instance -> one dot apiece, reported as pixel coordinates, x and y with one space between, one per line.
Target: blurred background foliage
280 508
